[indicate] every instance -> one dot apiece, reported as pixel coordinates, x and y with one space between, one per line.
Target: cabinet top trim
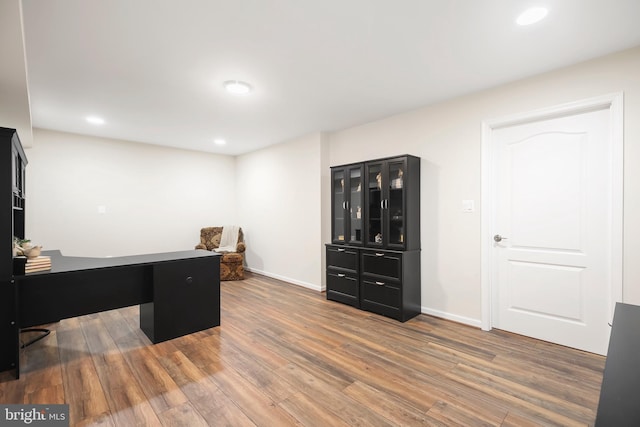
377 160
15 139
369 248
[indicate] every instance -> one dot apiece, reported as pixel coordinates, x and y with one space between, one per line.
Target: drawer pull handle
341 275
341 249
189 280
380 283
379 254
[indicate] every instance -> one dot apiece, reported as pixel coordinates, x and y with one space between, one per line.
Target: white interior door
553 221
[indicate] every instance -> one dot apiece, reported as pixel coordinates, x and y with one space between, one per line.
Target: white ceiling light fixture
237 87
532 15
219 141
95 120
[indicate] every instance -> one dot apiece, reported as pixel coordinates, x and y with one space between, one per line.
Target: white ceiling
153 69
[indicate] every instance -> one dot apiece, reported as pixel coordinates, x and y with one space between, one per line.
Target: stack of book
40 263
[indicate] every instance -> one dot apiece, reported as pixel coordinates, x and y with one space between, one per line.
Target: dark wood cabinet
390 283
373 262
13 163
393 203
181 290
347 200
343 275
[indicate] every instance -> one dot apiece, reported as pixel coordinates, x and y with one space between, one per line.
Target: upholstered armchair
231 263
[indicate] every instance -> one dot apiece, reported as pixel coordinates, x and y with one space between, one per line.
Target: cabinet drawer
343 288
381 297
342 257
382 263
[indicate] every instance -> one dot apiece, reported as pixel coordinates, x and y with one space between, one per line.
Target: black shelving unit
12 216
374 263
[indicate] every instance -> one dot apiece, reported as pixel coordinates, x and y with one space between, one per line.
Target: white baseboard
453 317
425 310
286 279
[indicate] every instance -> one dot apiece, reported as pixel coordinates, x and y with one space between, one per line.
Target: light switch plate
468 206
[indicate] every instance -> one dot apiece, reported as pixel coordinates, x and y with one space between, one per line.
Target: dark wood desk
178 292
620 393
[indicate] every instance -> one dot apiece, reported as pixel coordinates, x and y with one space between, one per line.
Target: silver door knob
498 238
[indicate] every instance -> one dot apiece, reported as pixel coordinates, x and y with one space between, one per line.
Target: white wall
279 209
156 198
15 111
447 137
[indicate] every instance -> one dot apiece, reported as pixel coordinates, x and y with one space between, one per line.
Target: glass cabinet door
355 203
395 203
386 219
347 198
339 205
375 200
369 202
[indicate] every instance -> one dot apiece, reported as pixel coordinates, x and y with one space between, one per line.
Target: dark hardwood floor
284 355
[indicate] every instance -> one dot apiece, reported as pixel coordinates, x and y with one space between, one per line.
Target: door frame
612 102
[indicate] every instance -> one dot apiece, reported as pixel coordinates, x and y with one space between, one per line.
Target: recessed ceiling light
237 87
219 141
532 15
94 120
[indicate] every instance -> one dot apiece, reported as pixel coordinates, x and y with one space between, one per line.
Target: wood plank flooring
285 356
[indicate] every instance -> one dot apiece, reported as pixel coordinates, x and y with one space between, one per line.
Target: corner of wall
325 201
